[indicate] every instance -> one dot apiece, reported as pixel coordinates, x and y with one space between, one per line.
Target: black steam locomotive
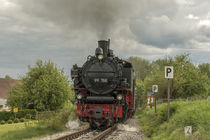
104 88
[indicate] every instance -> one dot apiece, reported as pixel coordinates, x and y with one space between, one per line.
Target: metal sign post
155 104
15 110
155 90
168 99
169 74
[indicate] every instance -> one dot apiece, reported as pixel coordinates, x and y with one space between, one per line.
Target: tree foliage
141 66
44 87
8 77
139 95
205 68
188 79
18 97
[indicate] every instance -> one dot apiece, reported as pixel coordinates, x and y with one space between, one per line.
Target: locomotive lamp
99 53
119 97
100 57
79 96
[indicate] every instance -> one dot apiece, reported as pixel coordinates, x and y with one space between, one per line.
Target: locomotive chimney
105 46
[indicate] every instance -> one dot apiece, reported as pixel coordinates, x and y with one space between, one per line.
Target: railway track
78 134
74 135
104 133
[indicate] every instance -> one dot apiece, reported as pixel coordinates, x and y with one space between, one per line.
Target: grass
191 113
49 123
23 131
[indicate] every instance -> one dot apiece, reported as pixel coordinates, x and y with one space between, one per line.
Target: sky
67 31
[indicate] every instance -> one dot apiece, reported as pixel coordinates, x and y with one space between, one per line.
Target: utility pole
155 104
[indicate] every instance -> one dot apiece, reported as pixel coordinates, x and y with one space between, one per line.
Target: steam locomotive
104 88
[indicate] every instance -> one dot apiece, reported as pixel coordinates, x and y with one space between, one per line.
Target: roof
5 86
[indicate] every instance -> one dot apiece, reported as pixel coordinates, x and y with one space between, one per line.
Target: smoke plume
98 16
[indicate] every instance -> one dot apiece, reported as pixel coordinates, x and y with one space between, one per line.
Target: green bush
5 115
21 114
57 120
16 120
22 120
54 120
28 116
12 117
9 121
2 122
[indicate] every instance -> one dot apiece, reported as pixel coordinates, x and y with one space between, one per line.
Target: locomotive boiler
104 88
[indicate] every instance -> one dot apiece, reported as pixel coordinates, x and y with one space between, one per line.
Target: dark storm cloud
66 31
205 31
157 25
159 8
17 52
98 16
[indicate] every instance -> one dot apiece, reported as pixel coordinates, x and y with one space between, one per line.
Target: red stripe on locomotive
109 110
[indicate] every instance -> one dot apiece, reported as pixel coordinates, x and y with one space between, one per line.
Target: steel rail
104 133
74 135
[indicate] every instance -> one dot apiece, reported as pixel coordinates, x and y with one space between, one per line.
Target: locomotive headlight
100 57
79 96
119 97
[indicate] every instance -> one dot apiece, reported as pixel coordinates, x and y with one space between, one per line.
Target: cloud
97 16
160 31
191 16
205 23
67 31
160 25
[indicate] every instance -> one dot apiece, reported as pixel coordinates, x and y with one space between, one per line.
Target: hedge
5 115
20 114
23 113
9 121
2 122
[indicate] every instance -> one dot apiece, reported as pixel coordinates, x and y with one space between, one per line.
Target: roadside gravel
128 131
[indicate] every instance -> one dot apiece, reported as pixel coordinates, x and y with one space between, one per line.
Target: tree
7 77
188 80
44 87
205 68
18 97
141 66
140 94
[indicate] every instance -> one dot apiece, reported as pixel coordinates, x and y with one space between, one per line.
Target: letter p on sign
169 72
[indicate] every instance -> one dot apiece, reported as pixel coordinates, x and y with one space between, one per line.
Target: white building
3 104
